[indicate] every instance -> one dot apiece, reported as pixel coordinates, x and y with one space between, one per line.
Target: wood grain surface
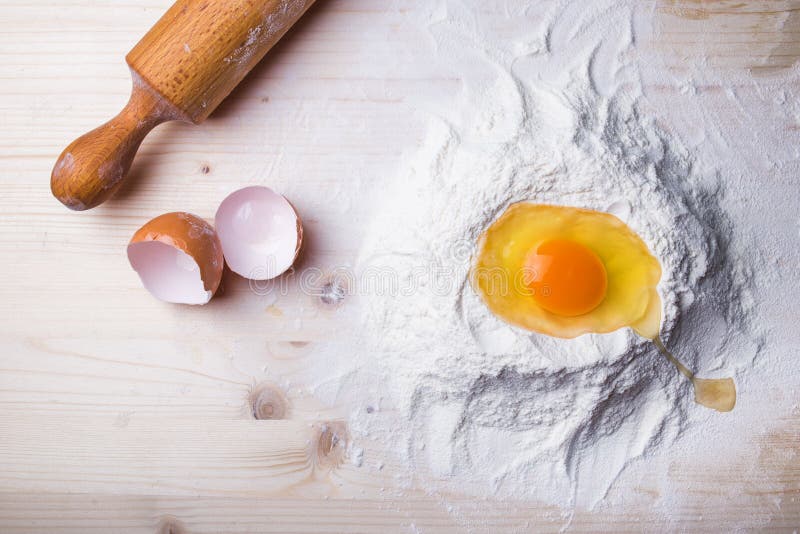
122 414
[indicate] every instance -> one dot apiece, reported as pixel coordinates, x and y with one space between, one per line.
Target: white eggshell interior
258 229
168 273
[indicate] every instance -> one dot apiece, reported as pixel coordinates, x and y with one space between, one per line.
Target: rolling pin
182 69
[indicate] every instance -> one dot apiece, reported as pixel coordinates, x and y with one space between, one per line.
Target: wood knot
329 449
333 292
205 168
268 401
170 525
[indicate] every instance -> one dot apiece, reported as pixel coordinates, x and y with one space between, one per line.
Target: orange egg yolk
565 277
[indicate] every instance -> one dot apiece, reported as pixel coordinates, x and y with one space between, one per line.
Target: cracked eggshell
178 257
260 231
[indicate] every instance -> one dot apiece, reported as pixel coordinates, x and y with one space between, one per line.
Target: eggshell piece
178 257
260 232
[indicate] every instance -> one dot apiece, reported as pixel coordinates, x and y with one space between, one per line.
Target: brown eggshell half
178 257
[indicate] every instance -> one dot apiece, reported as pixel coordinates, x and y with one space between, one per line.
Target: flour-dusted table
122 414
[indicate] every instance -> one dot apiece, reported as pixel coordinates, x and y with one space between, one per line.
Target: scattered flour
552 115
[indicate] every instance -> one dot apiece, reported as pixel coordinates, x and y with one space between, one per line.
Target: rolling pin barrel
182 70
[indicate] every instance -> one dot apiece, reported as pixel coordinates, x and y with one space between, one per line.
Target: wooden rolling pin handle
93 167
182 69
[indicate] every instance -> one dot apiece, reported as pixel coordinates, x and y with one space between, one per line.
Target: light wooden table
122 414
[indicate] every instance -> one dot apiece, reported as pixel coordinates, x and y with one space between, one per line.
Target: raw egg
566 271
178 257
260 231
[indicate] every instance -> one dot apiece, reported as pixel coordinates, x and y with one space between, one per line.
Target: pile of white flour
553 114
